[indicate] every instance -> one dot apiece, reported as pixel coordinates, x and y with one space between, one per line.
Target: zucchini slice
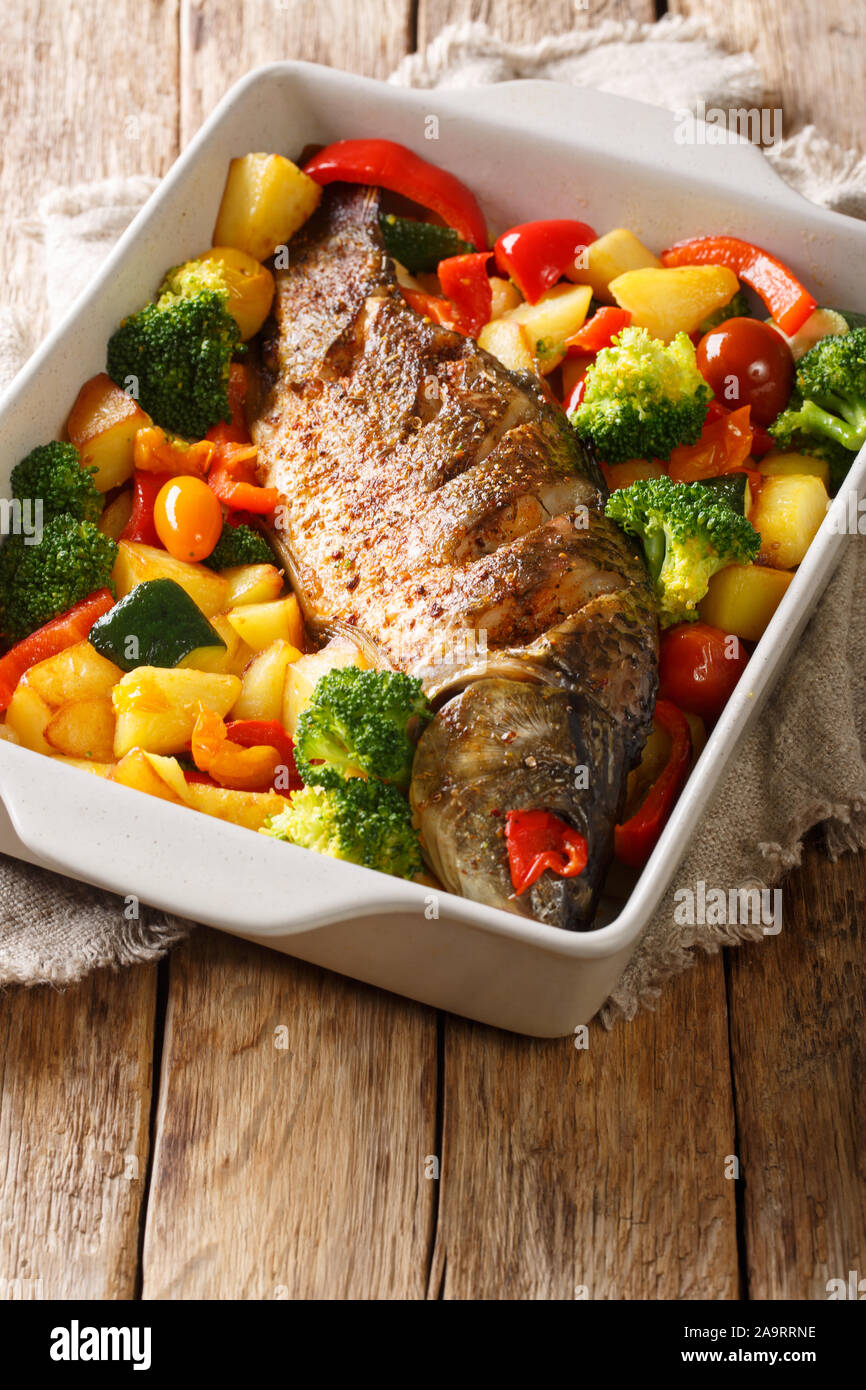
734 489
156 624
419 245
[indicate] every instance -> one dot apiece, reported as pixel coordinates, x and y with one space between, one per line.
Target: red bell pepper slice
539 840
575 396
536 254
234 431
385 164
55 636
636 839
145 490
233 478
253 732
465 281
598 332
430 307
202 779
762 441
789 302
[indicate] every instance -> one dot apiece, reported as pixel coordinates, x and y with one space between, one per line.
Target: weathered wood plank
799 1055
82 97
296 1113
75 1090
79 99
295 1171
565 1168
221 42
596 1173
796 1005
811 56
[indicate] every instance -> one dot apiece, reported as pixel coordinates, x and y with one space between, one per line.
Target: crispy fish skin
443 508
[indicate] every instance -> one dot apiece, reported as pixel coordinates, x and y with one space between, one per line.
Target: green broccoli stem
655 545
815 419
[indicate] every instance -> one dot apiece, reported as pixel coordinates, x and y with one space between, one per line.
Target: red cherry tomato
747 362
699 666
188 518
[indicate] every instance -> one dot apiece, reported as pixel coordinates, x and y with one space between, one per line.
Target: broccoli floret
736 308
360 720
826 415
239 545
790 432
642 398
53 473
688 532
190 279
174 357
37 582
366 823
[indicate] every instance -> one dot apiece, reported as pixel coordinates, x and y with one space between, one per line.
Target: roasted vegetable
641 399
102 425
157 624
266 199
668 302
788 513
39 582
245 287
53 473
688 532
420 246
174 358
157 709
366 823
742 599
608 257
826 415
239 545
361 721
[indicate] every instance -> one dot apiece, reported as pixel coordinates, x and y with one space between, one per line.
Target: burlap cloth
802 765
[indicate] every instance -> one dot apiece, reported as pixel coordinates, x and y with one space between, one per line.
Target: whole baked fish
441 509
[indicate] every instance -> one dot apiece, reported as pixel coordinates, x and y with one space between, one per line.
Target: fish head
511 745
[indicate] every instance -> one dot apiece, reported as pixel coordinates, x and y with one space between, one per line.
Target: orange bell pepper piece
229 763
154 451
233 478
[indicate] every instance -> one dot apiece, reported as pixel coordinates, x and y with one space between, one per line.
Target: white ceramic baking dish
527 150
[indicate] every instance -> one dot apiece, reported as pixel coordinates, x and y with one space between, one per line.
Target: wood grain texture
302 1170
520 21
811 55
79 99
221 42
799 1054
596 1173
82 97
604 1168
75 1089
289 1164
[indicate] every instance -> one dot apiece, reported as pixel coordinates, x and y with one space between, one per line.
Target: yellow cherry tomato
250 286
188 518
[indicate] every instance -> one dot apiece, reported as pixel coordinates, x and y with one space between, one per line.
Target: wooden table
154 1139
